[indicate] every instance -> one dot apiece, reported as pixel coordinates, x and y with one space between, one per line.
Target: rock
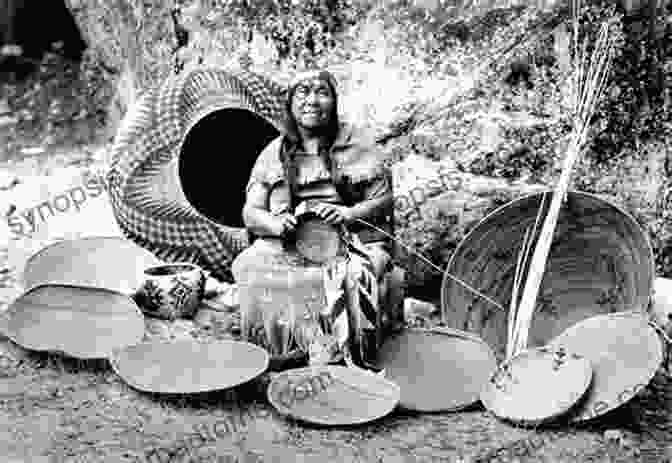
204 317
414 308
622 439
662 302
183 329
613 435
9 365
214 287
223 299
7 120
7 178
9 295
436 205
102 154
6 207
166 329
33 151
157 329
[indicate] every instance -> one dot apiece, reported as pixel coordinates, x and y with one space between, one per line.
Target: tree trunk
133 34
7 20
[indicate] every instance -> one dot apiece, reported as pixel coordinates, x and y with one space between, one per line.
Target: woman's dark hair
291 141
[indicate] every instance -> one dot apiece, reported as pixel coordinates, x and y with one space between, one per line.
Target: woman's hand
334 214
284 224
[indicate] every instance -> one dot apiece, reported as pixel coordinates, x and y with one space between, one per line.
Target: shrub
300 31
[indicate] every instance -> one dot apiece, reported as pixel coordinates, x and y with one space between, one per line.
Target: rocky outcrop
435 206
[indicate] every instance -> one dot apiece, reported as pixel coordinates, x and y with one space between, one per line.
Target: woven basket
181 160
626 353
188 366
600 262
316 240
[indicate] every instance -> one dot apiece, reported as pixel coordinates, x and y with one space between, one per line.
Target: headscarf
292 139
323 75
291 129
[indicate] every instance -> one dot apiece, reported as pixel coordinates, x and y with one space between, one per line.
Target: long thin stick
520 272
439 269
513 306
537 221
593 80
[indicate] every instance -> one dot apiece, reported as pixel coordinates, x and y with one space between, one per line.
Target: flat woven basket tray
85 323
188 366
437 369
537 386
333 395
105 262
625 351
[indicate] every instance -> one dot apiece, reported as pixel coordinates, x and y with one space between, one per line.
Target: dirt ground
54 409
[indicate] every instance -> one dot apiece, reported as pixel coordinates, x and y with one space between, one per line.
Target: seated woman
346 180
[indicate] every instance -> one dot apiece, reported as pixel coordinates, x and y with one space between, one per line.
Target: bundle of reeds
589 79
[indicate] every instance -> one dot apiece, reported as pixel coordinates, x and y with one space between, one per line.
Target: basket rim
461 335
577 193
114 358
146 172
582 414
49 246
11 334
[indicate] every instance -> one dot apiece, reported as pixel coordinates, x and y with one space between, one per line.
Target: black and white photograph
360 231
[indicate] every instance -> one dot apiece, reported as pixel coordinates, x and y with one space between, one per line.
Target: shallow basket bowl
600 262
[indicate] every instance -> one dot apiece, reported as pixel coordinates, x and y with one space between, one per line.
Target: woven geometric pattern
149 140
601 261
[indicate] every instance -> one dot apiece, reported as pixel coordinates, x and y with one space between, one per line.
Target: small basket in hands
314 239
294 335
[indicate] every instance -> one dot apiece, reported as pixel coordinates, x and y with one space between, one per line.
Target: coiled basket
181 160
600 262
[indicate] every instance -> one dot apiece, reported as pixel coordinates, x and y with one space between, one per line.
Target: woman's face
312 104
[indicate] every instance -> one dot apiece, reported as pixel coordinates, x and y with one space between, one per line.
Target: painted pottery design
171 291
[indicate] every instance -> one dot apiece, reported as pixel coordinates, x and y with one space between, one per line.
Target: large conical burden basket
600 262
181 160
